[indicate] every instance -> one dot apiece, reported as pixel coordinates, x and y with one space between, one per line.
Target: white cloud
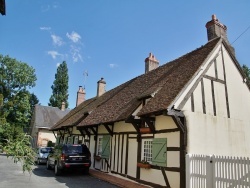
54 54
58 41
45 28
112 65
75 52
74 37
57 65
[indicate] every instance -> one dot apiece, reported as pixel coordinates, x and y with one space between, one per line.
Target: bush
50 144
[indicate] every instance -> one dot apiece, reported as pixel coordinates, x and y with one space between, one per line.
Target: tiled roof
86 107
47 116
163 83
166 81
174 80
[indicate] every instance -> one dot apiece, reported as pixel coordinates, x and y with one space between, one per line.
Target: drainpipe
179 119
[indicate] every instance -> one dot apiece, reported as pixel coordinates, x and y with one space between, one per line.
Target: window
99 146
103 146
154 151
75 139
70 140
147 150
65 140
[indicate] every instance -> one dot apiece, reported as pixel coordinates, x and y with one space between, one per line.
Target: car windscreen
76 149
45 150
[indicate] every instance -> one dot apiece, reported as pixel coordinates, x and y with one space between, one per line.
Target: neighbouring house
198 103
43 118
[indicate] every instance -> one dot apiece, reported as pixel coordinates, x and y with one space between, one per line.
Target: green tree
33 100
60 87
15 79
246 70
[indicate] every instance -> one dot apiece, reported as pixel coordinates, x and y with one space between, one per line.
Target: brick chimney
80 95
101 87
216 29
63 106
151 63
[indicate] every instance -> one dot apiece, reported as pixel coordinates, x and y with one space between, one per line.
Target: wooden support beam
165 177
61 133
54 134
136 126
135 122
82 133
150 123
87 131
69 130
108 129
132 119
94 130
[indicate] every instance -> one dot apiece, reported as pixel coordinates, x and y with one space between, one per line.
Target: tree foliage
15 109
60 87
246 70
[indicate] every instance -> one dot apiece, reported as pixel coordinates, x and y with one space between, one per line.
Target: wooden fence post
209 171
188 156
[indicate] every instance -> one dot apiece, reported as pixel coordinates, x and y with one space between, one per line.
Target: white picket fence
217 171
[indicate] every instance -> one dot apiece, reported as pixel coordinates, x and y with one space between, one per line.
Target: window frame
99 146
148 155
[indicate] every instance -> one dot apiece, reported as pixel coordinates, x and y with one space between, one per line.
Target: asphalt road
12 176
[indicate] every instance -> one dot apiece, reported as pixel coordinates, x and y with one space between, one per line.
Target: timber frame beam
150 122
109 129
179 120
69 130
54 134
135 122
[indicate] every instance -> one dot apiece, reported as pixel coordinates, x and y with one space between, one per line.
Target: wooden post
209 171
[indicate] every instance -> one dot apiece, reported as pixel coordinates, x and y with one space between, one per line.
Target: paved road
11 176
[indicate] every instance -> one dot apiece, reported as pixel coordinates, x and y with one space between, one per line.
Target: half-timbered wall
217 109
125 149
168 129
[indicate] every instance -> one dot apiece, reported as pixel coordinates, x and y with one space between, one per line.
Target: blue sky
111 38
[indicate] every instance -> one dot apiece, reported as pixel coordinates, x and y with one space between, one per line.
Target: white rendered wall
218 134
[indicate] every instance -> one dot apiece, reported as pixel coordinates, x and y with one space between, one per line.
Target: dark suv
69 156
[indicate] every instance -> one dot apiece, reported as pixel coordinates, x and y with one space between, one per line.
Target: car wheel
57 170
86 171
48 166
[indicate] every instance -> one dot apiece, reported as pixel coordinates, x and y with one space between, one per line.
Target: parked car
69 156
42 154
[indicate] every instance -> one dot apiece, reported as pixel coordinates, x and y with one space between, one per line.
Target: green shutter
106 147
159 151
70 139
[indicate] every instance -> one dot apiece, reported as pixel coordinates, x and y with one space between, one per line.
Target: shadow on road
40 170
72 179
